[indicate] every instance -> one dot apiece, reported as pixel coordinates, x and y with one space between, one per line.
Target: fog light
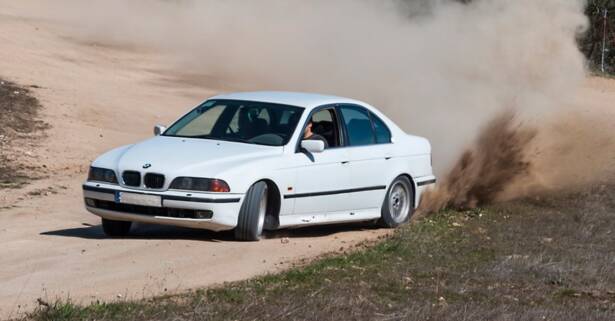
203 214
90 202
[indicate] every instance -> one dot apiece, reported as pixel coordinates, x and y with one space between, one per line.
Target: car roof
306 100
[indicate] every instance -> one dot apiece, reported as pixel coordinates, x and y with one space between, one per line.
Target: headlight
200 184
102 175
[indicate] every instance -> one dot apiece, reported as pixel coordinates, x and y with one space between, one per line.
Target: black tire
392 216
115 228
252 213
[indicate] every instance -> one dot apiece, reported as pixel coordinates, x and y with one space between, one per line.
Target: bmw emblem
148 165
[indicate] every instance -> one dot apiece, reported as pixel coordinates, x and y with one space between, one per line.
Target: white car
243 161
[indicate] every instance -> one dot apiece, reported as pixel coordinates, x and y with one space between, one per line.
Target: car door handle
388 157
345 162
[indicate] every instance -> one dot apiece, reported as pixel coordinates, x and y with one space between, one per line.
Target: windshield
239 121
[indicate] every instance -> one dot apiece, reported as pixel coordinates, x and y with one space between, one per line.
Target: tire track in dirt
97 97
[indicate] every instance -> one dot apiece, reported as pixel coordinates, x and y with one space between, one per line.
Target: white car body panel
338 185
326 173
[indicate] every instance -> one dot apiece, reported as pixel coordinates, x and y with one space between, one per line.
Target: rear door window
358 126
383 134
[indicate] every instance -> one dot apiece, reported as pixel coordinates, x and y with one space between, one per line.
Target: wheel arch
413 183
274 202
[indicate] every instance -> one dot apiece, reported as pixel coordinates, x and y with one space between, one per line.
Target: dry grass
18 122
543 259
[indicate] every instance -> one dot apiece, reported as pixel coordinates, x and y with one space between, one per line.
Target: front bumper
211 211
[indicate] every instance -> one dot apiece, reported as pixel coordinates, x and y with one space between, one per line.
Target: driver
308 134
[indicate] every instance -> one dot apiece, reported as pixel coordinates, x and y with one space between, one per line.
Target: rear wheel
398 205
115 228
252 213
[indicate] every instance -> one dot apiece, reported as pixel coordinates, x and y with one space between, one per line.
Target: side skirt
287 221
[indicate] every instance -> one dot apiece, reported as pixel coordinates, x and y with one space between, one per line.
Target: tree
591 43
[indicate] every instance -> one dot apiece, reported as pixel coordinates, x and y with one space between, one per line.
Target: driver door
322 178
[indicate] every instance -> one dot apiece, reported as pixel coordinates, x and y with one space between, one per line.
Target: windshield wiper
226 139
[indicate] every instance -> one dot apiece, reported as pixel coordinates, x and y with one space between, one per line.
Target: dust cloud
485 170
440 69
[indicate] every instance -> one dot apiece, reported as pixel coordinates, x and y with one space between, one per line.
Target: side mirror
159 129
313 146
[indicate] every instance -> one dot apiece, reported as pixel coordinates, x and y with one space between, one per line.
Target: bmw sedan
259 161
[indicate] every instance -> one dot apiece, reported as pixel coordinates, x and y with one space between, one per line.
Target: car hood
175 156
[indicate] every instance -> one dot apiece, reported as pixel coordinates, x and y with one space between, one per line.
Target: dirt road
96 97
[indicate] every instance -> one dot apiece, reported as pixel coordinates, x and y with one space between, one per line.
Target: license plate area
138 199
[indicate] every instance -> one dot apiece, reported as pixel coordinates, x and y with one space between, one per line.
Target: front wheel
252 213
115 228
398 205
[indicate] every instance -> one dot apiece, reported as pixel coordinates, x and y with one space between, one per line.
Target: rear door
369 150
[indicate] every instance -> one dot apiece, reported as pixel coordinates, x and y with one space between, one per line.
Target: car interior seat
259 127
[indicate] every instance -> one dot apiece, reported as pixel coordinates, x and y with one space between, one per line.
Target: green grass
534 260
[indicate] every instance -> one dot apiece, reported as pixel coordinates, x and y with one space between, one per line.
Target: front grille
153 180
132 178
152 211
